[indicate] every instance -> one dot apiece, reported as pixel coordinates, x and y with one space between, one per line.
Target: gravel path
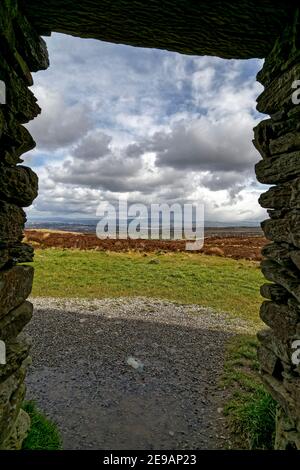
81 379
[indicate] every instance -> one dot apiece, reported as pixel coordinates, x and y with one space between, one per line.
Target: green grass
250 409
43 434
223 284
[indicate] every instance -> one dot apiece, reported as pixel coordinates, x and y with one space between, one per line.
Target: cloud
151 125
61 124
93 146
203 144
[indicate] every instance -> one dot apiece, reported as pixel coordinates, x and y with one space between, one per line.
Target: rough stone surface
278 169
274 292
12 393
229 29
288 123
14 321
281 318
19 432
282 276
284 55
284 195
286 229
278 94
30 45
22 51
14 139
263 133
295 257
20 100
12 222
279 252
287 438
285 143
17 253
18 185
268 360
17 350
282 349
15 287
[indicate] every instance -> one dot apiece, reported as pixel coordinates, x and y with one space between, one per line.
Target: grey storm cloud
110 172
222 158
217 181
221 146
93 146
116 173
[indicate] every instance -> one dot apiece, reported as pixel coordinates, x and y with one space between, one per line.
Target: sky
147 125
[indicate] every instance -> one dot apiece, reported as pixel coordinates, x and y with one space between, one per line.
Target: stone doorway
276 139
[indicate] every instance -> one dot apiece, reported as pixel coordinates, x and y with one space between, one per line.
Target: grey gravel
80 377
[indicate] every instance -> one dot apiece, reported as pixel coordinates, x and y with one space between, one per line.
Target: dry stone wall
278 141
22 51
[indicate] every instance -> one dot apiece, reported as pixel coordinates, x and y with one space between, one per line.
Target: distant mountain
89 224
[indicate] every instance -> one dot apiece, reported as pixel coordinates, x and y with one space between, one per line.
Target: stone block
279 252
12 222
20 100
12 394
30 45
267 360
278 169
17 350
15 287
282 349
278 94
14 321
281 318
18 185
286 143
287 124
15 139
274 292
18 253
285 195
286 437
282 276
19 432
285 230
295 257
263 133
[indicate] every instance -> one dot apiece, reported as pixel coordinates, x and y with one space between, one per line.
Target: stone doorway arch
254 28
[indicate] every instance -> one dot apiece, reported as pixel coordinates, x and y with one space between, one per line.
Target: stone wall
278 141
22 51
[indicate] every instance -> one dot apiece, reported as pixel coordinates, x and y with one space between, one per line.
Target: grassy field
221 283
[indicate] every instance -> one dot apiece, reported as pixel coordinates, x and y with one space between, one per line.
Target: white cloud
152 125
